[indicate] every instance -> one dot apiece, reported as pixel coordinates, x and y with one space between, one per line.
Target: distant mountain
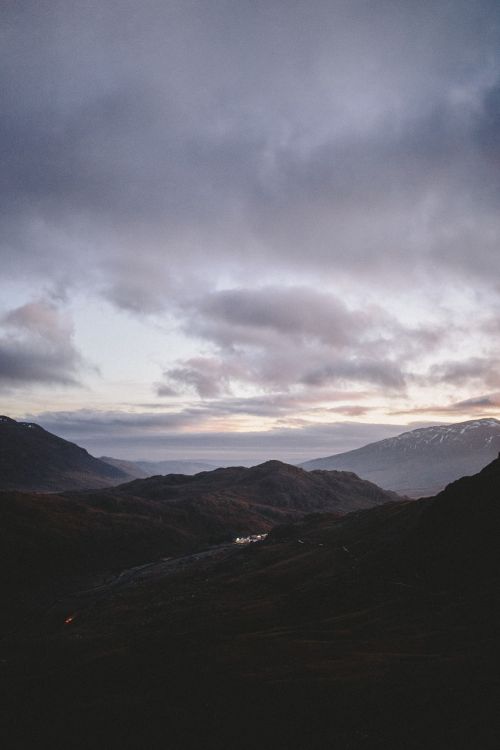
142 469
421 462
35 460
131 468
153 468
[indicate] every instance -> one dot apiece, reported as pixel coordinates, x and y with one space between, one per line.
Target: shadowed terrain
273 484
373 630
46 537
32 459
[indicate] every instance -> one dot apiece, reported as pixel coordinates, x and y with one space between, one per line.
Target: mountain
374 630
142 469
84 532
272 484
35 460
184 466
423 461
131 468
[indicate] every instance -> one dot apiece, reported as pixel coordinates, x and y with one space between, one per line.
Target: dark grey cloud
348 137
244 316
36 346
150 435
376 372
278 337
282 406
208 376
214 166
485 370
480 406
279 369
480 402
351 410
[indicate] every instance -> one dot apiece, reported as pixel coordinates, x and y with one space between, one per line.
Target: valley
379 627
267 605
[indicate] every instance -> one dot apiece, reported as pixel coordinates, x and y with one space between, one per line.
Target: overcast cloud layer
295 202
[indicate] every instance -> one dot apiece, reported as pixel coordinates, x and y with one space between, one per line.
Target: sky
242 229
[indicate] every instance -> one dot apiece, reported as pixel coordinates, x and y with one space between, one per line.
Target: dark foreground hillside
375 630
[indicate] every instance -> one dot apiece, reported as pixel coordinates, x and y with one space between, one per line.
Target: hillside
272 484
375 630
423 461
84 532
34 460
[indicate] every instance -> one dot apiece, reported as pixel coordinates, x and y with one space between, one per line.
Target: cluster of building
250 539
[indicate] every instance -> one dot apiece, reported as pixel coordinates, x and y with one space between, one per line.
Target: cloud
478 406
36 346
280 337
332 139
209 376
241 315
157 436
480 402
484 370
376 372
351 410
307 192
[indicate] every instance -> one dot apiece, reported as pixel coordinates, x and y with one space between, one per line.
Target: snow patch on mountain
424 460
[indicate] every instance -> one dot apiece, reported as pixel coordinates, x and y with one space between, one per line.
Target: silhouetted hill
44 536
33 459
461 527
421 462
271 484
374 630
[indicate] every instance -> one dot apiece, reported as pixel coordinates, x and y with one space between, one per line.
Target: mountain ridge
80 531
272 483
35 460
422 461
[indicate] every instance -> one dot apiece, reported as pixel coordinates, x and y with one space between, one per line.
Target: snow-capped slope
422 461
